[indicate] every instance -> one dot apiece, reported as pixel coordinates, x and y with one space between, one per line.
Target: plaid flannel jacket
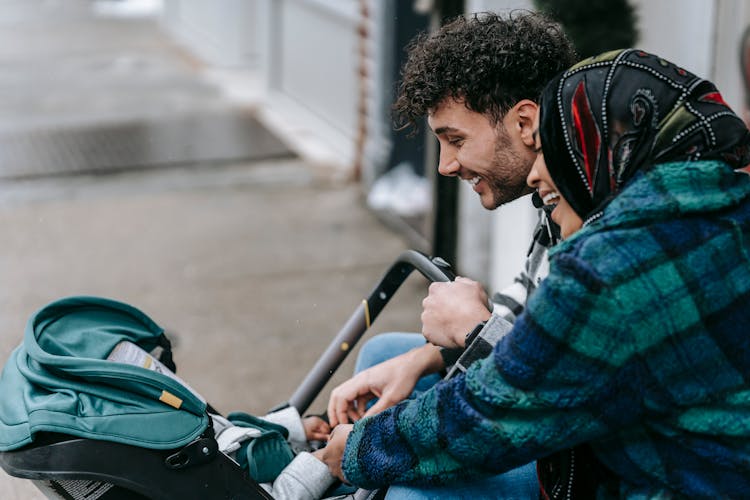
636 343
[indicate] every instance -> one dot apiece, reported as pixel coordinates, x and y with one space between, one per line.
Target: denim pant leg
518 483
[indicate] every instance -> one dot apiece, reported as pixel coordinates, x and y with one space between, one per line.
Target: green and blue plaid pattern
637 343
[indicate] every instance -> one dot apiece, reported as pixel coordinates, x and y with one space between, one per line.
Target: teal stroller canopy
60 380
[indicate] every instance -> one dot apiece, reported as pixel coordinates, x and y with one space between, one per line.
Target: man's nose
448 165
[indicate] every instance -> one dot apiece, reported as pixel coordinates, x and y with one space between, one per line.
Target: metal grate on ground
193 138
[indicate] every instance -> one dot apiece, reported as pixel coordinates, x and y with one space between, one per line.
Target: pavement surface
251 263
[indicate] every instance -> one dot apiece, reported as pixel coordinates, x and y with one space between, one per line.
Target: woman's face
540 179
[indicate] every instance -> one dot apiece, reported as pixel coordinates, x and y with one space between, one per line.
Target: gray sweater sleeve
305 478
511 300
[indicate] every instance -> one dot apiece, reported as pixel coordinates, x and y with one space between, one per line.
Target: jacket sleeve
552 382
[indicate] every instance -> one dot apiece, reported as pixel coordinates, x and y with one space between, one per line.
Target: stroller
164 446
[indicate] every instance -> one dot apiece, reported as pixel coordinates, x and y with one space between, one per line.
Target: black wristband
472 335
450 356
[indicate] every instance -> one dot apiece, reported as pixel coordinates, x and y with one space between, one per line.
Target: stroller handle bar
434 269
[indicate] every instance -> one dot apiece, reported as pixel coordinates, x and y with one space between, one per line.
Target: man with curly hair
477 80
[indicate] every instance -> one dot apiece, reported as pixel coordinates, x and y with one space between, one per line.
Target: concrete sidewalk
252 266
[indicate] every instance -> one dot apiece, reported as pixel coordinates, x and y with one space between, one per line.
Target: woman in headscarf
635 350
642 155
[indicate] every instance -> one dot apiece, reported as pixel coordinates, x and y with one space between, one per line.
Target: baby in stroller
277 449
305 476
94 386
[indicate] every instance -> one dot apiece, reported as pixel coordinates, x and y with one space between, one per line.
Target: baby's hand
316 429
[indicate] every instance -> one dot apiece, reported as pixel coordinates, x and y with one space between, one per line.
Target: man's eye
456 141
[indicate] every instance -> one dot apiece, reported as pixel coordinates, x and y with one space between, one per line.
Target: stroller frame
72 468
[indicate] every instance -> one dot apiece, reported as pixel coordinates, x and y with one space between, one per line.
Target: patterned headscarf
614 114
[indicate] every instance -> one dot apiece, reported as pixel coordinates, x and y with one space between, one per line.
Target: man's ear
525 111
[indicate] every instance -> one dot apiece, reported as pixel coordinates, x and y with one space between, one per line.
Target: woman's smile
550 197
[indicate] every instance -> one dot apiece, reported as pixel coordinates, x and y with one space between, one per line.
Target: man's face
492 158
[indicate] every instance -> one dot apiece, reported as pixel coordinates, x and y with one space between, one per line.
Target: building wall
317 44
311 79
221 32
376 52
301 54
704 38
732 18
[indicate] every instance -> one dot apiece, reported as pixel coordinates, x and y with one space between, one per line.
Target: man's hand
451 310
391 381
333 453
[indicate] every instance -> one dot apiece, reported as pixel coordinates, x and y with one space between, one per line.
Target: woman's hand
333 453
391 382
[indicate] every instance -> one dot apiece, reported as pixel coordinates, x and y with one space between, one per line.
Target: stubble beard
507 178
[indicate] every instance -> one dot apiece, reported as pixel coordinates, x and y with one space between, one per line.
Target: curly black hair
488 61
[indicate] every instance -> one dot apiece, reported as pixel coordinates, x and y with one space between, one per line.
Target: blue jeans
519 483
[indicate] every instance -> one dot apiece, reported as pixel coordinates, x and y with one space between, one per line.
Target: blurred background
230 167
